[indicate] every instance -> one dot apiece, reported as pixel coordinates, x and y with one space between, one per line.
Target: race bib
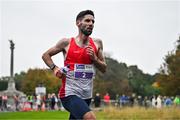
84 71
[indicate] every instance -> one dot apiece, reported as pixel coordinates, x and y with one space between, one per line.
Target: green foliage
150 90
3 85
169 76
34 77
113 81
121 79
18 78
140 82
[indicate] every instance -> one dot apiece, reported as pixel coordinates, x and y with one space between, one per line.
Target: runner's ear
78 23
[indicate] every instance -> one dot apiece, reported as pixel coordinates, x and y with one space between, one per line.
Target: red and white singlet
79 80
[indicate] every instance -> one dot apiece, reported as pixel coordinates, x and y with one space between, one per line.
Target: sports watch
52 66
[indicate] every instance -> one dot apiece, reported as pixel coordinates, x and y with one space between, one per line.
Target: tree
4 83
18 78
34 77
169 74
140 82
117 80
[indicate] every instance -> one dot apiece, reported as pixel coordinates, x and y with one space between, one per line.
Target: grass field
48 115
137 113
110 113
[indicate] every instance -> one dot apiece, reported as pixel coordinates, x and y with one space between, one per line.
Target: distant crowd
30 103
53 102
130 101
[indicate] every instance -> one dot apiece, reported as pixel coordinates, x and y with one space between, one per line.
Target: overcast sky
134 32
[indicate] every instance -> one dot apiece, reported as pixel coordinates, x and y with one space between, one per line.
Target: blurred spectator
123 100
159 102
54 100
97 100
30 100
117 100
16 100
48 102
107 99
167 101
131 100
154 101
146 102
177 100
4 101
0 102
38 101
140 100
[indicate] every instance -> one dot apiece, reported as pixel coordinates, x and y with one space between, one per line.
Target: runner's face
87 24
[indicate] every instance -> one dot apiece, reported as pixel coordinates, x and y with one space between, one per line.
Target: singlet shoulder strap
72 40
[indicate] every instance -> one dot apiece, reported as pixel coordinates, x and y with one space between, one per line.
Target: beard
86 32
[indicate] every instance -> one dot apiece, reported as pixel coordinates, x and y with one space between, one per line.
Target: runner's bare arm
99 60
59 47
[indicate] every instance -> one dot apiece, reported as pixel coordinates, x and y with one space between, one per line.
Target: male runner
82 55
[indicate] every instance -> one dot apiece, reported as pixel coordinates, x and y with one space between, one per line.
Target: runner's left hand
91 52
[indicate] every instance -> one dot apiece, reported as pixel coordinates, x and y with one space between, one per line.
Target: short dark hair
83 13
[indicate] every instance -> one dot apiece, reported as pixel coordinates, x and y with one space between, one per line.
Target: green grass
109 113
48 115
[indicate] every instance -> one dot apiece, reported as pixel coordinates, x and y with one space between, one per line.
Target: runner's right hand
57 72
